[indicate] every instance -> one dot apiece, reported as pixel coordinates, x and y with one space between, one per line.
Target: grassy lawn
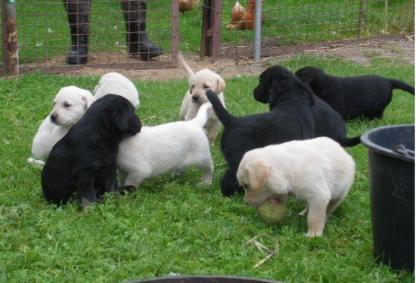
175 225
43 30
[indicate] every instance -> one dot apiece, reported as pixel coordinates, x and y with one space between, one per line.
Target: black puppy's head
119 116
128 123
277 81
309 74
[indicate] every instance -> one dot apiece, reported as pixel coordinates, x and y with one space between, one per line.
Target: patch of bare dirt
397 48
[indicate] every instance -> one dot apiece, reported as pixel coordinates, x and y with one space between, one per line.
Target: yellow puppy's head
203 80
69 105
253 177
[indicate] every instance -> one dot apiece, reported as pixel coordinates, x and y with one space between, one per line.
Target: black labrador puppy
290 118
328 123
84 160
353 97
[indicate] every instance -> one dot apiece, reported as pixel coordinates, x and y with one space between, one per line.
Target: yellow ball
272 212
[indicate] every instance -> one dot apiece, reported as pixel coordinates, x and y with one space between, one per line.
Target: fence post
216 28
175 32
257 30
386 17
210 29
362 17
10 46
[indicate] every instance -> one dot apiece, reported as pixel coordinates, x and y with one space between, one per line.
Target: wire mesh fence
300 22
98 33
115 28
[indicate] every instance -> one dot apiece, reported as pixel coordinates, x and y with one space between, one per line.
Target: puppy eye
192 86
66 105
206 86
245 186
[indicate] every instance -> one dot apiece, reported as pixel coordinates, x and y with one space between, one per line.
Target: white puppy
116 83
196 96
318 171
166 148
69 105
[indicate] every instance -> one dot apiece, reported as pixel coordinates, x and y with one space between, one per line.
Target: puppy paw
35 162
314 233
303 212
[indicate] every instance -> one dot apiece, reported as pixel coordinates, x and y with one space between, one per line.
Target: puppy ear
261 91
258 173
88 98
281 84
307 89
277 89
127 122
220 85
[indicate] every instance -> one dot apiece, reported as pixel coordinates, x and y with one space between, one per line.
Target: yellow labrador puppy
196 96
69 105
116 83
318 171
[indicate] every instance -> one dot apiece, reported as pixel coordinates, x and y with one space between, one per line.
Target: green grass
175 225
43 30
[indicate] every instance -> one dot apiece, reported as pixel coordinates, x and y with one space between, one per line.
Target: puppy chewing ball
272 210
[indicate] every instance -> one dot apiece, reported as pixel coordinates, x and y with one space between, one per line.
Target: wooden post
216 25
10 44
362 17
210 28
175 32
205 24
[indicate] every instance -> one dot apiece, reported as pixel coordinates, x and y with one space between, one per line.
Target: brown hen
242 18
187 5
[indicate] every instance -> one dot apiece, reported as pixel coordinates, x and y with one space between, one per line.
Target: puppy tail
402 85
202 115
350 141
35 162
218 108
184 65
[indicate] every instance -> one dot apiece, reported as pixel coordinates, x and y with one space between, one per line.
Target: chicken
238 11
242 18
186 5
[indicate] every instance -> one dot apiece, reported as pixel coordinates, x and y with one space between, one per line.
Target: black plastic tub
203 279
391 174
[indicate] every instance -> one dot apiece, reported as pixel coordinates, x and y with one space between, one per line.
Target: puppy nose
53 117
195 98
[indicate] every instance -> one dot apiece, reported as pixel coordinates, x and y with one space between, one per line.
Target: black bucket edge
383 150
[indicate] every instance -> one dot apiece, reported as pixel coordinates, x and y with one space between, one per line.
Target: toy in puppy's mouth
272 210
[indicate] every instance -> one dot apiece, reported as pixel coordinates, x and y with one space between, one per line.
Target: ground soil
397 48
